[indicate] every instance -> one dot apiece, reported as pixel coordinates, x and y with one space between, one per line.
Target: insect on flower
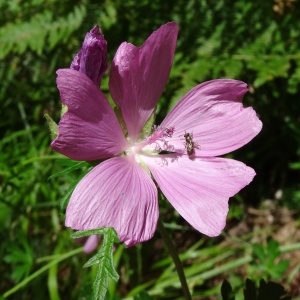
190 145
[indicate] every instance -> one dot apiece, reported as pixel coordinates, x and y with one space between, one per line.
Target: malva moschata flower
179 155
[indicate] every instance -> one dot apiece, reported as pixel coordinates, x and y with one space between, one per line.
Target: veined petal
199 189
139 75
89 130
117 193
213 113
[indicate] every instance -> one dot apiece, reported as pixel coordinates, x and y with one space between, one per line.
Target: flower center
157 142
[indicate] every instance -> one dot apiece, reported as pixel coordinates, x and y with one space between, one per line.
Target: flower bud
92 57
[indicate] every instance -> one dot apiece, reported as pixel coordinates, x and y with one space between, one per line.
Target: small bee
190 145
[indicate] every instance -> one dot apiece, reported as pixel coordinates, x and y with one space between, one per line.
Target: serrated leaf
104 259
99 231
92 261
100 285
106 268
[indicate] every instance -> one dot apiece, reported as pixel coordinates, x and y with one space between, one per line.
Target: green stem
41 270
179 268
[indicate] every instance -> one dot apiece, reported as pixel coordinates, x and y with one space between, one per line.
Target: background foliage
254 41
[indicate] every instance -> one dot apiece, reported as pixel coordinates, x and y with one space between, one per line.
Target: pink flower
180 154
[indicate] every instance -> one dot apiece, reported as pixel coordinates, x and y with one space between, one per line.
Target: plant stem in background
179 268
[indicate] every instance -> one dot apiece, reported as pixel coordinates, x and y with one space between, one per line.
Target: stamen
160 133
169 132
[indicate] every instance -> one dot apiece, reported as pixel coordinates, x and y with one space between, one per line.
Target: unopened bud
92 57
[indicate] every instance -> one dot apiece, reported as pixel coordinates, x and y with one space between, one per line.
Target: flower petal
89 130
117 193
213 113
199 189
139 75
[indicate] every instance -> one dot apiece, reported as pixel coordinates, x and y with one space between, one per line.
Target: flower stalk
178 264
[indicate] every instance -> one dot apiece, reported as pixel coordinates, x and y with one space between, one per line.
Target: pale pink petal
91 243
117 193
139 75
199 189
213 113
89 130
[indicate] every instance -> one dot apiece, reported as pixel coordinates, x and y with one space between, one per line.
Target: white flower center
152 145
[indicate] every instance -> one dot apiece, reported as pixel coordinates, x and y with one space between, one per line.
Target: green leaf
143 296
106 268
74 166
273 250
53 127
70 166
100 231
104 259
21 257
148 128
68 193
258 251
